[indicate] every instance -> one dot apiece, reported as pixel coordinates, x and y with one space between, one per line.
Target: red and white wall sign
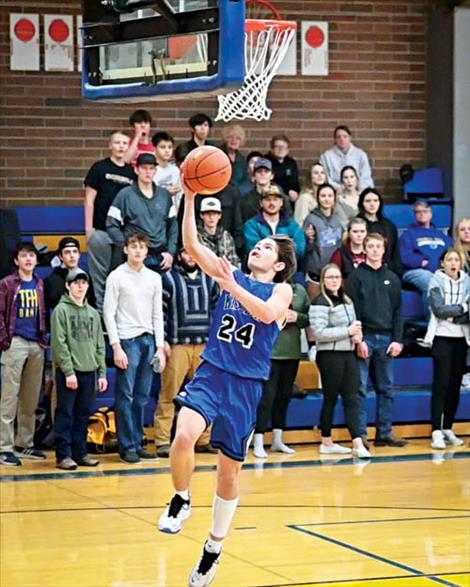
59 36
24 42
314 48
79 43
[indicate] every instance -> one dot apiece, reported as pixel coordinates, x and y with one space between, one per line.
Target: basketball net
266 44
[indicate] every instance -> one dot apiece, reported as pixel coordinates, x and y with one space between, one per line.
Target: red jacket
9 288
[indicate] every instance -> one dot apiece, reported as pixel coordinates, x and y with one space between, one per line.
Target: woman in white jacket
333 322
449 334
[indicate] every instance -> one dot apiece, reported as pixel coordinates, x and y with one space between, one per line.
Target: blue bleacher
408 407
402 215
34 220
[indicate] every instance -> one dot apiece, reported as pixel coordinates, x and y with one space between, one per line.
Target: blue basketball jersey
239 343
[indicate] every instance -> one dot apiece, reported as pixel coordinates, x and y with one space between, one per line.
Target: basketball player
227 387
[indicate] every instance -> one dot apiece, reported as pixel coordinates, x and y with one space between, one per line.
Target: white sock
223 511
213 545
258 447
183 494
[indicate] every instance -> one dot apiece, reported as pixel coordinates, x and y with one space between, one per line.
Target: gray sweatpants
22 366
100 248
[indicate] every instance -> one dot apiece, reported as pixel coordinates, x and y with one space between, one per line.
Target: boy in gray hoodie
78 351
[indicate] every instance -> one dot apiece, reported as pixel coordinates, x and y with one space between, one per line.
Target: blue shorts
228 402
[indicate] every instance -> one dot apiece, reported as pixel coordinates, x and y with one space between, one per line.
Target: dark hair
286 254
278 138
322 187
362 196
199 118
252 154
25 246
140 116
349 168
137 237
342 127
158 137
181 152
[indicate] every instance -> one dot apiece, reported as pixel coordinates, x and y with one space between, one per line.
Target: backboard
137 50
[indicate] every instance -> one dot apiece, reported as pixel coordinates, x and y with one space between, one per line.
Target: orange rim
259 25
268 5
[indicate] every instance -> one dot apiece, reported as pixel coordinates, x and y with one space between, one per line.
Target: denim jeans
74 407
419 278
132 391
380 367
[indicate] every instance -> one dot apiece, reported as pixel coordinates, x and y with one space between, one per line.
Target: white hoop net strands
266 44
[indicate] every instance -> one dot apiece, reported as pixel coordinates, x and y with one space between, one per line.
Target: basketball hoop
266 44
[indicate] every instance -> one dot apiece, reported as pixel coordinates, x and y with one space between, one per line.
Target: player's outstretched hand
225 276
188 194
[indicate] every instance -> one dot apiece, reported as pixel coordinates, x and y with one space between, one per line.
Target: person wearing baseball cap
78 355
147 208
212 233
146 159
272 219
263 177
68 252
75 274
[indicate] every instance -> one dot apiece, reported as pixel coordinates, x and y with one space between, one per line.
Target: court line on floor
403 567
207 468
387 520
364 580
259 506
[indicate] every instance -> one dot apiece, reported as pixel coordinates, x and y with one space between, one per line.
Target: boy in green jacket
78 351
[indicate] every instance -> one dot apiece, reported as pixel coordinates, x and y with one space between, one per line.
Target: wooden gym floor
401 519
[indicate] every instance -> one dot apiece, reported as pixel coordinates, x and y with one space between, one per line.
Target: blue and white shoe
178 510
204 572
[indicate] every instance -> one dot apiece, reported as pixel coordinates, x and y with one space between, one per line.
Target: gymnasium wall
377 85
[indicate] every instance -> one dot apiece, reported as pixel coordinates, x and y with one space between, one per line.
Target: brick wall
377 85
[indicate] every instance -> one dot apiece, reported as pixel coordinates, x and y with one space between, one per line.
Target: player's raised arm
274 308
206 259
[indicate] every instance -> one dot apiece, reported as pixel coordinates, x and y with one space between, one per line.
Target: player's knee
185 439
227 479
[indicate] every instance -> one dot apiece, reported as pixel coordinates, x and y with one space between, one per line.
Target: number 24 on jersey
228 332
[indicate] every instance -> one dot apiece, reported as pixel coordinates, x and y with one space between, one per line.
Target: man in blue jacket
272 219
421 248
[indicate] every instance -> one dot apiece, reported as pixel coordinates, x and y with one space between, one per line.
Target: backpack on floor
102 436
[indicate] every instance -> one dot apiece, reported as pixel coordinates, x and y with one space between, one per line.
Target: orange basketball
207 170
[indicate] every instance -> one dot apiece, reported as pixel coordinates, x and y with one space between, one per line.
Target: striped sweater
189 301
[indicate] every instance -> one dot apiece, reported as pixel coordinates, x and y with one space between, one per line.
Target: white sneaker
204 572
452 439
438 440
335 449
178 510
361 452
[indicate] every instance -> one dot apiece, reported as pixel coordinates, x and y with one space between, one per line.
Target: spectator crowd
146 294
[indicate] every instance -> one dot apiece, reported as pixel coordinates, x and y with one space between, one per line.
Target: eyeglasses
422 211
